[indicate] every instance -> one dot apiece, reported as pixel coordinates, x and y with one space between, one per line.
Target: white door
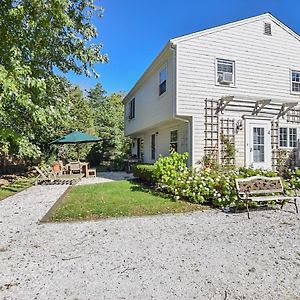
258 144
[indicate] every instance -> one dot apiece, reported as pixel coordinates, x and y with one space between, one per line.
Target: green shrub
210 186
293 180
144 172
170 173
248 172
167 168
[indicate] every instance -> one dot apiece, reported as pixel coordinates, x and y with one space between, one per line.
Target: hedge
144 172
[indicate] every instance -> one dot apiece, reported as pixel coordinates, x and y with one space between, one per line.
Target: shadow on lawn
139 186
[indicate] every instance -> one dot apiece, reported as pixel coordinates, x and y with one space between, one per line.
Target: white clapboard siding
150 108
262 69
162 134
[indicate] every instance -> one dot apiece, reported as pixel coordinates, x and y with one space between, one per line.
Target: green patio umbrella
76 138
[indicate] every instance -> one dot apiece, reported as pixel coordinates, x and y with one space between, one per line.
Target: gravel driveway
202 255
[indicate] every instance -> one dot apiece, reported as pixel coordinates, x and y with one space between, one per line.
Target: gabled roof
234 24
174 41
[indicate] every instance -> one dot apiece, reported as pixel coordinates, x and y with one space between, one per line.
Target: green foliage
167 169
294 179
229 148
109 123
38 38
144 172
207 185
248 172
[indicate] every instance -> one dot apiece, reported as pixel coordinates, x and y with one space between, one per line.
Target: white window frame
174 141
164 67
217 60
291 78
131 106
288 140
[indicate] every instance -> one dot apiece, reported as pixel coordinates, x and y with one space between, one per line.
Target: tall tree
109 121
37 38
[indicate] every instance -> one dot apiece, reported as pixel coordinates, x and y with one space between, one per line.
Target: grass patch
116 199
15 187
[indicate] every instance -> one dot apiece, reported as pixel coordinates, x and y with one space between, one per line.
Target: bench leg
236 205
295 202
247 206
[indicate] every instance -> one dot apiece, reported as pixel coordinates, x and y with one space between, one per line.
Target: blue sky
133 32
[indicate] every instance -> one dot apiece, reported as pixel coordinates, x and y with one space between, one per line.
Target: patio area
200 255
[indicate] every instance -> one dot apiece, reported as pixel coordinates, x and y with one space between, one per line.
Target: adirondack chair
45 175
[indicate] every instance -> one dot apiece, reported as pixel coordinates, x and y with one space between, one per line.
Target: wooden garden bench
47 176
263 189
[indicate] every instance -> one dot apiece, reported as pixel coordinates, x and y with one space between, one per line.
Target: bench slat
248 189
259 185
270 198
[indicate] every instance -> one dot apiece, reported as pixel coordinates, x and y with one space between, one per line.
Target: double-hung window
295 81
225 72
153 146
131 109
163 81
287 137
174 140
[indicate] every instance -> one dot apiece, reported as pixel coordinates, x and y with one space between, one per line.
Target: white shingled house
236 84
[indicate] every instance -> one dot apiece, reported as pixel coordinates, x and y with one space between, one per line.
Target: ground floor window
153 146
287 137
140 148
174 140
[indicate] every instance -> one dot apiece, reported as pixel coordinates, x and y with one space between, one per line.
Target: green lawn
115 199
15 187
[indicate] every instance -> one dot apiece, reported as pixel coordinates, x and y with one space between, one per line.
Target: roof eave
148 71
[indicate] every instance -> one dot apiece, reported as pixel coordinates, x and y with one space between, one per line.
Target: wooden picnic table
80 167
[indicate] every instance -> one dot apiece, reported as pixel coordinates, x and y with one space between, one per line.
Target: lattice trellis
274 143
211 129
227 132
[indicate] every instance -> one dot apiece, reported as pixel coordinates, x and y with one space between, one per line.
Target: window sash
163 81
227 66
174 140
288 137
153 146
162 87
293 137
132 109
295 81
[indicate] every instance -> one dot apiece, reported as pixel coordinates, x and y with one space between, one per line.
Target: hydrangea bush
213 186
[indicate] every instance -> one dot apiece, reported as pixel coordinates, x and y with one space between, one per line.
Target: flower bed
203 186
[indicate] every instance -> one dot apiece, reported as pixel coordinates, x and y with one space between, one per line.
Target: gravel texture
105 177
200 255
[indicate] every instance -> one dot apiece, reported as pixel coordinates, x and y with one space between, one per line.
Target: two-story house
234 86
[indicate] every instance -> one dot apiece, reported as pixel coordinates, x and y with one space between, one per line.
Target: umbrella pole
78 152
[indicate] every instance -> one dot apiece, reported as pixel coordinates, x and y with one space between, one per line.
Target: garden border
49 213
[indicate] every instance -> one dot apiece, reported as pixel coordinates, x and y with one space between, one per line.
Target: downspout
175 115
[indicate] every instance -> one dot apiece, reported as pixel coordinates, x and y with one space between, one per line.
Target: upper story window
225 72
287 137
131 105
174 140
295 81
162 80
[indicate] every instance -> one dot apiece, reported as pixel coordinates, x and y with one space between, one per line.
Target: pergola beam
285 108
224 101
259 105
